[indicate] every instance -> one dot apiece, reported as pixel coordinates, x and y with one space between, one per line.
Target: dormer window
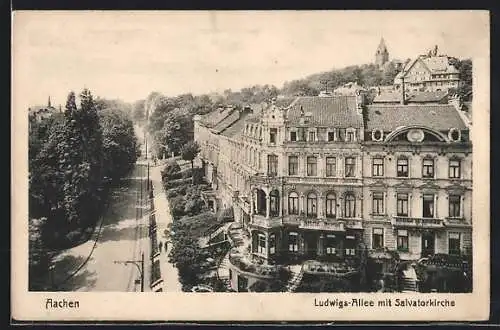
312 136
350 135
272 135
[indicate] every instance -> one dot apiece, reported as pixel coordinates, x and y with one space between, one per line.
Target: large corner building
313 177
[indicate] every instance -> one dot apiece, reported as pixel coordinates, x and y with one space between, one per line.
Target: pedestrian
160 245
166 246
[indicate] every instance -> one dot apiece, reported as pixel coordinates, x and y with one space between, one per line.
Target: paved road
122 237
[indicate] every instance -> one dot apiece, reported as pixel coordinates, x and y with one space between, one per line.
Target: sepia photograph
255 154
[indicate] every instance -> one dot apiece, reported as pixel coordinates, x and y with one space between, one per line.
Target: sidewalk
169 272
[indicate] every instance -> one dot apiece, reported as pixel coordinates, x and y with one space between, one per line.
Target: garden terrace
330 268
245 263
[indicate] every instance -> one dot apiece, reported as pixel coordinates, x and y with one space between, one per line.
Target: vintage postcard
250 165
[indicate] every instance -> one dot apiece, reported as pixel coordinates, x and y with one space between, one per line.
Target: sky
128 55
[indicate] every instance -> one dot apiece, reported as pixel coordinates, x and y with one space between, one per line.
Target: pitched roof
387 97
436 116
428 96
227 121
213 118
339 111
237 127
435 64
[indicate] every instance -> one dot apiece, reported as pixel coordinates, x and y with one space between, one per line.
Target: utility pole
139 264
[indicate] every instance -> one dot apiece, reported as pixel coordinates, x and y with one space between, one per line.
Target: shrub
171 168
176 183
177 205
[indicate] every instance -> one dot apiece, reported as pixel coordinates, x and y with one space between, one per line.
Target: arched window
293 203
312 202
331 202
274 203
349 206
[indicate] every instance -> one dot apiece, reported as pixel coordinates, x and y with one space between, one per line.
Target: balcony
353 223
456 222
325 225
261 221
429 223
266 180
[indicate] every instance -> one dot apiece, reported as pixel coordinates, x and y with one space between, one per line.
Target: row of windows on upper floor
455 205
312 135
378 167
332 247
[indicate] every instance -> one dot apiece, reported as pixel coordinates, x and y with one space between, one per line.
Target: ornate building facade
313 177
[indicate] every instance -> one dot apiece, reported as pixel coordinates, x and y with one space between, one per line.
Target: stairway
409 281
409 285
295 278
223 270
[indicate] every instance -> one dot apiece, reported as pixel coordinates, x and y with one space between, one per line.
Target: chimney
403 101
455 101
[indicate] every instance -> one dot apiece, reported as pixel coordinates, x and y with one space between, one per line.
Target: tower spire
48 103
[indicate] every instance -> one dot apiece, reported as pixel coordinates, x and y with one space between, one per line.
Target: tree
120 145
189 152
139 111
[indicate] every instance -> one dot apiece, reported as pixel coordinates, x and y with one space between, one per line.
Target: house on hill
430 72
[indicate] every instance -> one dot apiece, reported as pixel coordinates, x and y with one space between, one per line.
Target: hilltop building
381 54
429 72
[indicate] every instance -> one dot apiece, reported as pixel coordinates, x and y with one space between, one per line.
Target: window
428 206
293 203
272 135
293 165
402 205
349 206
349 167
312 136
330 244
272 244
350 245
378 203
454 169
293 136
378 167
331 136
428 168
454 243
402 240
378 238
454 206
349 136
311 166
331 205
293 242
272 165
312 202
331 166
402 167
261 244
274 203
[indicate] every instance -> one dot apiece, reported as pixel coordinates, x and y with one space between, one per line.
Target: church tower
382 55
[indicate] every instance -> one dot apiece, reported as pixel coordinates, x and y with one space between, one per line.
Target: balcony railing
462 222
352 223
262 221
417 222
317 224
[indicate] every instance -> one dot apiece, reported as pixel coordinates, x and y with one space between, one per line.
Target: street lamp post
139 264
